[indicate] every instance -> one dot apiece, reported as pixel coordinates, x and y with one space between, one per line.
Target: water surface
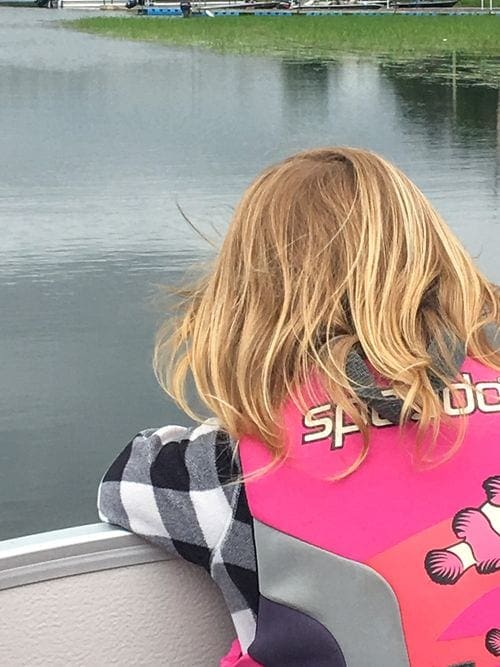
100 139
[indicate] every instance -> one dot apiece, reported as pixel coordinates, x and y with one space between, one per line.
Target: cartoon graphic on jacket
395 565
478 529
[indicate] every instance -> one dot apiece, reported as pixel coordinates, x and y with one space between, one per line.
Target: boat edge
72 551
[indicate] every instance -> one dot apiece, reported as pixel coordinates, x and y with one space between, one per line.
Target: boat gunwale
71 551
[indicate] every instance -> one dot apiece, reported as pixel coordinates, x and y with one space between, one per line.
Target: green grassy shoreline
318 37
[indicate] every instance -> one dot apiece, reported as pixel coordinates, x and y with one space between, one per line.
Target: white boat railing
27 560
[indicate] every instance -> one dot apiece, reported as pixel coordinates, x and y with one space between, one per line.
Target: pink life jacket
395 565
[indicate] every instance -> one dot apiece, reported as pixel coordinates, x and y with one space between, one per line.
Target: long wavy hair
329 251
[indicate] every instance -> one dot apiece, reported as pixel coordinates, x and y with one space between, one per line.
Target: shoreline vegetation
311 37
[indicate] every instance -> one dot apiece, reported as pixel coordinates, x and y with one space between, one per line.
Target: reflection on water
449 68
306 85
100 140
472 111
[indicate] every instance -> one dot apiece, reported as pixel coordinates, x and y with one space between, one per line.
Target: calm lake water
99 141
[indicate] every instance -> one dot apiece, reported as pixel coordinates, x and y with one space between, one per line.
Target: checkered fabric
175 487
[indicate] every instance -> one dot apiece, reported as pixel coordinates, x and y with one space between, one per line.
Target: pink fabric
367 523
476 619
389 514
236 658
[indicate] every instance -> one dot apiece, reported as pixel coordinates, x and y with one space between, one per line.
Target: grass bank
318 37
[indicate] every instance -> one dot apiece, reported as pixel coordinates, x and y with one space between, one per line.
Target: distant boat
337 6
423 4
310 5
377 4
258 4
206 8
16 3
251 7
248 4
197 7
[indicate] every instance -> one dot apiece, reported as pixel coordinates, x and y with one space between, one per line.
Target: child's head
329 250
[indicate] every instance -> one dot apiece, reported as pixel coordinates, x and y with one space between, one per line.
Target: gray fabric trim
363 384
390 407
493 336
457 357
350 599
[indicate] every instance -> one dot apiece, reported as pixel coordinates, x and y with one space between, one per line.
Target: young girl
346 498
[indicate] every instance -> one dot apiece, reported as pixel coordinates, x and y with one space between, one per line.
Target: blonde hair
329 251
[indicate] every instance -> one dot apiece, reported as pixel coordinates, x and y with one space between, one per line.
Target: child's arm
168 485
